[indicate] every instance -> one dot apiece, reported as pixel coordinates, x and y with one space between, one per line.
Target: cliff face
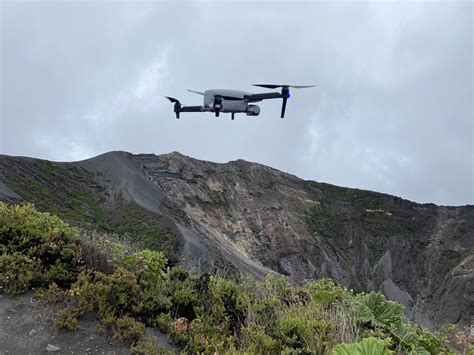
252 218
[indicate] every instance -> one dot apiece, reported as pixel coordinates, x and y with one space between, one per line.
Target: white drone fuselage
235 106
236 101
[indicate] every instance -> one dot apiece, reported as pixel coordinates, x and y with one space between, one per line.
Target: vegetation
36 249
324 223
139 226
207 314
366 346
69 192
449 259
77 197
373 217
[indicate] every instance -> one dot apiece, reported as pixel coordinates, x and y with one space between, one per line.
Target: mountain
250 218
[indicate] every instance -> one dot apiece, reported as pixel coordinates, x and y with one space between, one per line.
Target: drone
234 101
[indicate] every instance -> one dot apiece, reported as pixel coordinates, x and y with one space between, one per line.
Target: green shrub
225 299
147 346
156 299
119 294
164 322
127 328
305 329
53 293
17 272
182 293
148 266
67 318
209 335
50 245
257 341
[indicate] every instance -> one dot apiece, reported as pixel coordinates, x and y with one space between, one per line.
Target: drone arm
263 96
271 95
191 109
178 107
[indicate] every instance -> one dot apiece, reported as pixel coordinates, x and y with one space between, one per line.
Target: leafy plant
325 291
374 309
367 346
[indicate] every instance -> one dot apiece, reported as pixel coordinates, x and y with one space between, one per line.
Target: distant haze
392 110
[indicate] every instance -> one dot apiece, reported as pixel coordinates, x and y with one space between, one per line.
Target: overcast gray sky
392 112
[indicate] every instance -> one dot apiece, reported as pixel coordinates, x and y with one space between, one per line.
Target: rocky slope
26 327
247 217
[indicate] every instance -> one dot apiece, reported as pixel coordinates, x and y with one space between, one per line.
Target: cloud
392 111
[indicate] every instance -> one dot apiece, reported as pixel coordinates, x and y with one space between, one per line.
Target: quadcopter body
235 101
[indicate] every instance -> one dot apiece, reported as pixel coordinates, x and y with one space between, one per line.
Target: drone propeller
225 97
172 99
272 86
177 105
285 92
196 92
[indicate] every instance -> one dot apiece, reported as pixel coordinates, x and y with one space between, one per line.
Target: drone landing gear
218 104
177 105
232 115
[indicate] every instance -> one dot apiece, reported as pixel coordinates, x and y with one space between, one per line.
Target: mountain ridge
177 153
253 218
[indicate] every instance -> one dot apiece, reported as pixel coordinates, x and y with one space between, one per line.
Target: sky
392 110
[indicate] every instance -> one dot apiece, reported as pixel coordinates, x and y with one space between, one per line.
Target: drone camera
253 110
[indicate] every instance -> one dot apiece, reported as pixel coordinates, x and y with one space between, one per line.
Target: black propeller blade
273 86
301 86
177 105
268 86
172 99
